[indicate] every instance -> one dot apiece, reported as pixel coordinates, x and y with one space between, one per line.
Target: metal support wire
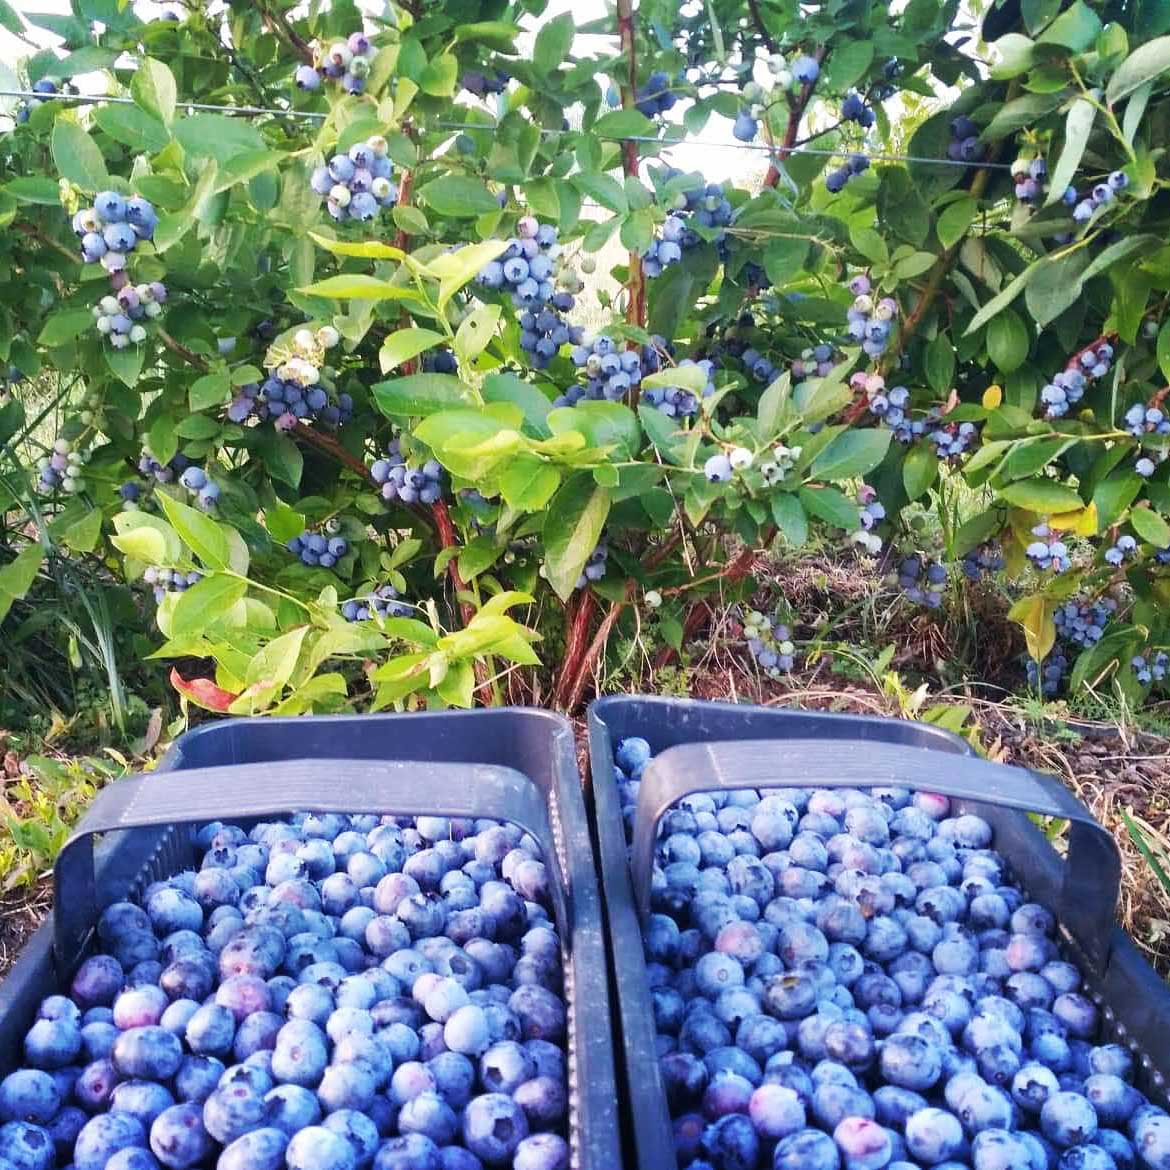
666 143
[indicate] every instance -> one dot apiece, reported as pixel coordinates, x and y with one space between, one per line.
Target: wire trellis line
667 142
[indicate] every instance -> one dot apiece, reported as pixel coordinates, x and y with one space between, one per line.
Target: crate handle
255 791
1091 875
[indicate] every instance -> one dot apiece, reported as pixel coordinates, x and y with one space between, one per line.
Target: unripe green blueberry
328 337
340 195
137 334
588 264
653 598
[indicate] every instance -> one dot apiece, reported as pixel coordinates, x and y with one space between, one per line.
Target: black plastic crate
516 765
857 751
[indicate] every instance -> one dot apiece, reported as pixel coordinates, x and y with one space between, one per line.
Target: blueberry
1068 1119
411 1151
28 1095
807 1150
493 1126
30 1147
317 1148
259 1149
102 1137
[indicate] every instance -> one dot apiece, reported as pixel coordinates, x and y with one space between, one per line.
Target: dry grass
21 912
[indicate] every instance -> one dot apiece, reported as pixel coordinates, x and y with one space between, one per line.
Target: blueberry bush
296 364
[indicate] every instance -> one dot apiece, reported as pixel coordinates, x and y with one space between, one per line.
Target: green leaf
1120 250
475 332
440 75
457 197
477 556
197 531
790 517
1150 527
368 288
1037 13
619 124
1077 128
1008 341
210 390
243 167
153 88
1145 64
362 249
1076 28
65 325
773 406
17 577
871 244
284 523
847 64
604 189
940 363
552 42
510 388
1045 497
10 20
404 344
908 267
832 506
1164 349
77 156
83 535
125 364
1054 285
133 127
604 424
218 137
572 527
955 219
458 268
419 394
1034 614
1014 55
1000 301
283 459
34 189
901 207
499 34
146 538
527 483
1021 112
1114 494
204 603
919 470
274 665
691 378
852 453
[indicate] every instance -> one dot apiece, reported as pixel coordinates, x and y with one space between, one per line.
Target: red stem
636 284
596 648
447 538
579 614
796 108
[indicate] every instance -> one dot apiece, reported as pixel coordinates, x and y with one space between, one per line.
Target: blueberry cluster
528 269
1048 551
318 548
325 993
357 185
837 180
1146 420
868 321
110 230
151 468
381 602
63 469
201 486
667 247
1122 549
293 390
595 566
1100 196
1083 623
720 467
440 361
1049 678
119 318
769 642
965 145
409 485
781 461
655 96
891 406
1068 387
922 581
855 109
163 581
609 371
871 512
1150 668
851 980
985 558
347 62
1029 175
816 362
676 402
481 83
953 440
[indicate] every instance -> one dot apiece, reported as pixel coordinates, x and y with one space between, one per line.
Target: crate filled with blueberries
317 991
853 977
